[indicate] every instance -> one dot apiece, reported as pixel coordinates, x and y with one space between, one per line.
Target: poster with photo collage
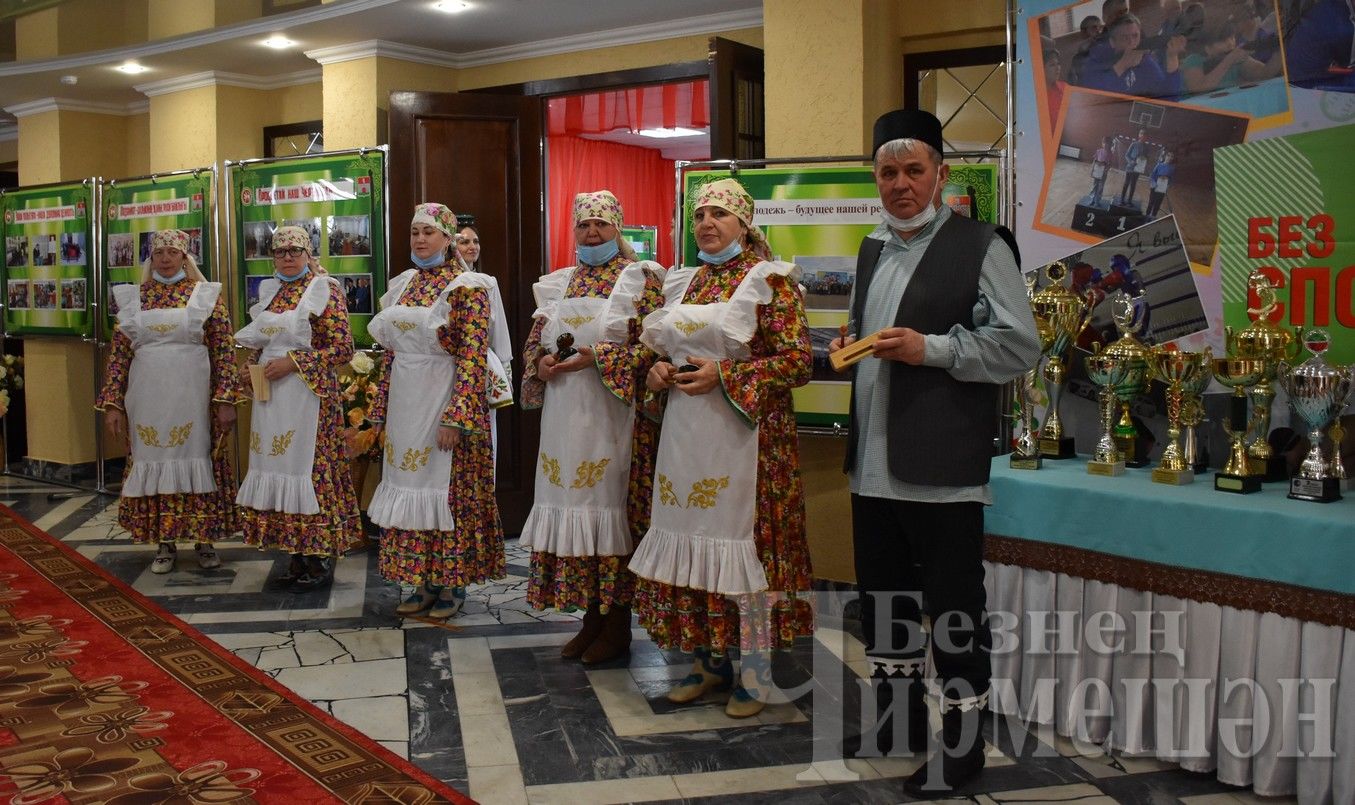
48 268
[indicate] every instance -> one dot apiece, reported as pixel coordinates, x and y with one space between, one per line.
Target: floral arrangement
358 382
11 380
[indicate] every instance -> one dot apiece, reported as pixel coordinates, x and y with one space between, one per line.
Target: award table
1204 628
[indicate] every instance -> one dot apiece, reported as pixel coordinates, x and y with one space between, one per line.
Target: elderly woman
298 494
725 555
171 373
445 371
582 532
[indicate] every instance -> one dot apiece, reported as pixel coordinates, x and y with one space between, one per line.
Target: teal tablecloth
1264 535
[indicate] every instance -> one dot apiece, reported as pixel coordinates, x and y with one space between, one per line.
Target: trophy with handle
1060 315
1130 314
1177 369
1192 416
1109 371
1026 453
1265 340
1237 374
1317 391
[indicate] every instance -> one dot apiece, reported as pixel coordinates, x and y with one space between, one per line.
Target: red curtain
664 106
641 179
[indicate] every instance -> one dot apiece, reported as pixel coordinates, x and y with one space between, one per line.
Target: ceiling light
451 6
664 134
131 68
277 42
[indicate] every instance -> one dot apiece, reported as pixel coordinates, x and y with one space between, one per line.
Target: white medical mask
734 249
599 255
922 218
155 275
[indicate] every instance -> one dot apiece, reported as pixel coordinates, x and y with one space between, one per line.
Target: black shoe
296 568
877 740
959 759
317 576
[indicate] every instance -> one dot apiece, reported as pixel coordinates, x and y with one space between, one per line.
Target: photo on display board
1148 260
73 294
122 250
45 250
1319 50
111 304
252 283
1122 162
827 280
195 243
18 295
357 291
349 236
1215 54
44 295
16 251
312 227
259 240
73 248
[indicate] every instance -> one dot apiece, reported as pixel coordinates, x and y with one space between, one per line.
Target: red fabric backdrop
640 177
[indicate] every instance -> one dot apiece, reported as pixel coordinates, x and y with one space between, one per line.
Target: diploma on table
259 382
853 352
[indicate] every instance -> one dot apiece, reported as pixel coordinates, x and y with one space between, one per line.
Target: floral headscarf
285 237
601 205
170 239
437 216
729 195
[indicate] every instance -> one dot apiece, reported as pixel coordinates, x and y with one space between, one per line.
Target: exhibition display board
49 265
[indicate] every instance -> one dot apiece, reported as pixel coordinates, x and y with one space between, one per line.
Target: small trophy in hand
564 347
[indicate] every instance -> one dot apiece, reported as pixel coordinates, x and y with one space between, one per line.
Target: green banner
1286 208
135 209
339 199
49 234
816 218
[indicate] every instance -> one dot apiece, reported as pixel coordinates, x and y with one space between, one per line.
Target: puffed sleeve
622 366
115 373
781 357
331 343
466 338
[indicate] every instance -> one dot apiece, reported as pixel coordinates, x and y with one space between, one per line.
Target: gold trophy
1109 372
1026 455
1317 391
1177 369
1060 315
1192 415
1264 340
1338 467
1238 374
1130 314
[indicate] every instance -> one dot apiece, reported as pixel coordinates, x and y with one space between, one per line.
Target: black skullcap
463 221
913 124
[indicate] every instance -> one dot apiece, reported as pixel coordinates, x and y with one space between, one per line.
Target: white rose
362 363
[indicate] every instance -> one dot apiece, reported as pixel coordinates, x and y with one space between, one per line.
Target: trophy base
1318 490
1058 449
1271 470
1024 462
1107 468
1136 465
1239 484
1173 477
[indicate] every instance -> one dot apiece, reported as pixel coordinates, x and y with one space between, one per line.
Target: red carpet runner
105 697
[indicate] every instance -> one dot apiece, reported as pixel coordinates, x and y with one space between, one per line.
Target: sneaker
164 558
207 558
450 601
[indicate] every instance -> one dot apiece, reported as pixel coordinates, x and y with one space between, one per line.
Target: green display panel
49 268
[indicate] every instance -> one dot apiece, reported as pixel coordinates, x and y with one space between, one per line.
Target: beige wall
9 151
182 128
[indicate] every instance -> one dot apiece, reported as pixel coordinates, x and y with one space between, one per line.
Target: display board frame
44 289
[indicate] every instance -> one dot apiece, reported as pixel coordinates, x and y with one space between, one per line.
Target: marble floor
484 702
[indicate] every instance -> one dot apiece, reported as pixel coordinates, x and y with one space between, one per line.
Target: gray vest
940 429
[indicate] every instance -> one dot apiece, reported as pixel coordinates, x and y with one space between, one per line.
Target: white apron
283 429
413 491
583 464
169 393
705 479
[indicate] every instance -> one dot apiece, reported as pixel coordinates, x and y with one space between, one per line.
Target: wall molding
212 78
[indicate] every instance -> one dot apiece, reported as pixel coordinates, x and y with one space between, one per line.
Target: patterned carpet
105 697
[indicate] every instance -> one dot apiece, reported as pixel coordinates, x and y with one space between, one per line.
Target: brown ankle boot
592 626
615 638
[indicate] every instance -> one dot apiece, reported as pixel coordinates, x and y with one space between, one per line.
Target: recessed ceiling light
663 134
131 68
451 6
278 42
70 80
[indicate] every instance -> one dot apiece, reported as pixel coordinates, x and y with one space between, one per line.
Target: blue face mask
433 261
734 249
155 275
599 255
304 271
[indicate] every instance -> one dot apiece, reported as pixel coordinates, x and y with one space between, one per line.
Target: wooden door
481 155
736 109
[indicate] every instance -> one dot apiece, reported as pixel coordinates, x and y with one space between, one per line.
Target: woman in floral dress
298 494
445 370
585 523
725 558
171 373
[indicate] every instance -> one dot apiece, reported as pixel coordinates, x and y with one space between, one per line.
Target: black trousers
906 551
